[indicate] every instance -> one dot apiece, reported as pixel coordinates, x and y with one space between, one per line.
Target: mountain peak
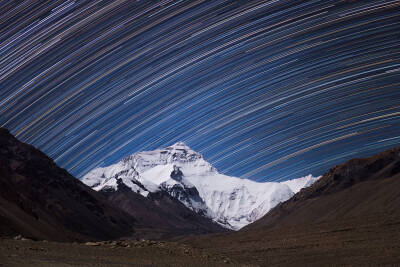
230 201
181 152
180 145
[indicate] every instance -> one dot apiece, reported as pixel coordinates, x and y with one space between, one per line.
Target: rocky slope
42 201
188 177
159 215
359 188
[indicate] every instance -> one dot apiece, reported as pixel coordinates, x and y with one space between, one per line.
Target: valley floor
109 253
372 241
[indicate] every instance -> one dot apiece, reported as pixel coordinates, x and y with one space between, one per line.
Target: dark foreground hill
351 216
40 200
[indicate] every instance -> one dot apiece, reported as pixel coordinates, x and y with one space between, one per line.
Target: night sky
267 90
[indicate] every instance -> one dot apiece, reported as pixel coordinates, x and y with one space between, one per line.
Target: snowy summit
184 173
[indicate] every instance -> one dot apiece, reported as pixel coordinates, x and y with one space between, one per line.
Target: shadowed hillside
43 201
350 216
360 187
159 214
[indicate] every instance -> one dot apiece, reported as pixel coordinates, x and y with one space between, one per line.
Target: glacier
184 173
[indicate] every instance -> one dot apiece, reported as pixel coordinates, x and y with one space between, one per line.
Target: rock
92 244
20 237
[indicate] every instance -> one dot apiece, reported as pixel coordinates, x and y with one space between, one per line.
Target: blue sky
266 90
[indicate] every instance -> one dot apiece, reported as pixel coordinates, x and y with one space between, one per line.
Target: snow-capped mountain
184 174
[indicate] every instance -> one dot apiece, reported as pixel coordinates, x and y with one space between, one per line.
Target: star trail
266 90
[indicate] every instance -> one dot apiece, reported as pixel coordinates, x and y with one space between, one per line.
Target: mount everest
183 173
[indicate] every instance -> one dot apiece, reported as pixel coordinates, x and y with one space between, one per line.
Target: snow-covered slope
185 175
297 184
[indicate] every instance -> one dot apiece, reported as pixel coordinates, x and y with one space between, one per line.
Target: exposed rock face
42 201
165 215
176 174
188 195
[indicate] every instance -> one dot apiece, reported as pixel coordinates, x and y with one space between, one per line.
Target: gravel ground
23 252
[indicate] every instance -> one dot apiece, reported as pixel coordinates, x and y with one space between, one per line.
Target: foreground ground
121 253
370 242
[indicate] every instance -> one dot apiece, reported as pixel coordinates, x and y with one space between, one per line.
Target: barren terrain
109 253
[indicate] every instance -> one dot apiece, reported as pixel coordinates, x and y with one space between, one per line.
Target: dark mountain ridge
43 201
359 187
161 212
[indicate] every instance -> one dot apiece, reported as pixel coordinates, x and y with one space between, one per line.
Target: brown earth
367 242
358 242
111 253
